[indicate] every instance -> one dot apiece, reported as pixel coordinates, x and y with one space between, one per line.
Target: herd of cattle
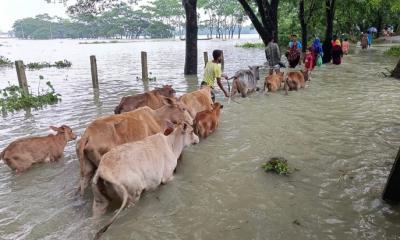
138 148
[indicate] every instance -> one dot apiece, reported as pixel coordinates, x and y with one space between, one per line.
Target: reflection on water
341 132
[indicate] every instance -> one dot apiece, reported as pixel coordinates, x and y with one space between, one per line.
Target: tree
267 11
190 7
330 14
305 16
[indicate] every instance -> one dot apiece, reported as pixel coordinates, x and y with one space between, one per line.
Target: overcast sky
11 10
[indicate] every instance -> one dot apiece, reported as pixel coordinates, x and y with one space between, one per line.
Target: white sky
11 10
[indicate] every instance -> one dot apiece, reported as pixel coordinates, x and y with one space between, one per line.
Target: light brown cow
105 133
152 99
198 101
22 153
295 80
273 82
207 121
132 168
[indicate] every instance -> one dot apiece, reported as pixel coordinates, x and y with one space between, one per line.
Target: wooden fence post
19 65
205 58
391 192
93 67
145 73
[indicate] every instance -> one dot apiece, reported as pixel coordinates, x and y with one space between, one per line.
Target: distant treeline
160 19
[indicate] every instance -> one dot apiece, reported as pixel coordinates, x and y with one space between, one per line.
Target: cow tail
124 202
82 159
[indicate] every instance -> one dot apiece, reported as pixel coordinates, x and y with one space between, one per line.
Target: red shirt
309 61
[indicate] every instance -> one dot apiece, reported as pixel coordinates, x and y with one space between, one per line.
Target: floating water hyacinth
278 165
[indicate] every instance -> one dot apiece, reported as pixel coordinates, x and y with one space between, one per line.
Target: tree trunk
267 28
330 14
396 71
303 25
379 24
191 36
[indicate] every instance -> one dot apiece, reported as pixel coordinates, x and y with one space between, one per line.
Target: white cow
245 81
134 167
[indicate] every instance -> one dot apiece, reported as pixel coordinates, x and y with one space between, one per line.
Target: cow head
189 137
166 91
255 70
175 111
66 131
218 105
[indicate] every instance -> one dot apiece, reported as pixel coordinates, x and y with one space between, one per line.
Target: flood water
341 133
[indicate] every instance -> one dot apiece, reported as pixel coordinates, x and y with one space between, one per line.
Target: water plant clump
5 62
251 45
39 65
393 51
62 64
13 98
278 165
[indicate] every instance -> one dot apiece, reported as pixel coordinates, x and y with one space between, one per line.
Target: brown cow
198 101
24 152
273 82
152 99
132 168
295 80
105 133
207 121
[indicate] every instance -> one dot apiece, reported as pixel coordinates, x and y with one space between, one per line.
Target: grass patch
393 51
5 62
278 165
251 45
13 98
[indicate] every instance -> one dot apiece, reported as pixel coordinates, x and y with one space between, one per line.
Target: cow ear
250 67
56 129
169 101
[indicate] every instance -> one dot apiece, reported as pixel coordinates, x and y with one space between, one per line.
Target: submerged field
341 133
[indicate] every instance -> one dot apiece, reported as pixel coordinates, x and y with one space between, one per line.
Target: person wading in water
212 72
293 53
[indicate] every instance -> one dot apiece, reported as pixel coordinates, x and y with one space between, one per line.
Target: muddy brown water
341 133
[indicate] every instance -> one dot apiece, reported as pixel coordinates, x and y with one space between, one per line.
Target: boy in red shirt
309 64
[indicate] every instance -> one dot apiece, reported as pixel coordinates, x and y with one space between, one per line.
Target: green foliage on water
393 51
100 42
278 165
5 62
13 98
39 65
62 64
251 45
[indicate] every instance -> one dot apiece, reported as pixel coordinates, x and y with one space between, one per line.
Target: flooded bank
341 133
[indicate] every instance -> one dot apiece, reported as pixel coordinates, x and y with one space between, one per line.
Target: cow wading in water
245 81
153 99
132 168
107 132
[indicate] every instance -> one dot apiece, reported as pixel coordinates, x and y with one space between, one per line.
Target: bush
393 51
13 98
59 64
